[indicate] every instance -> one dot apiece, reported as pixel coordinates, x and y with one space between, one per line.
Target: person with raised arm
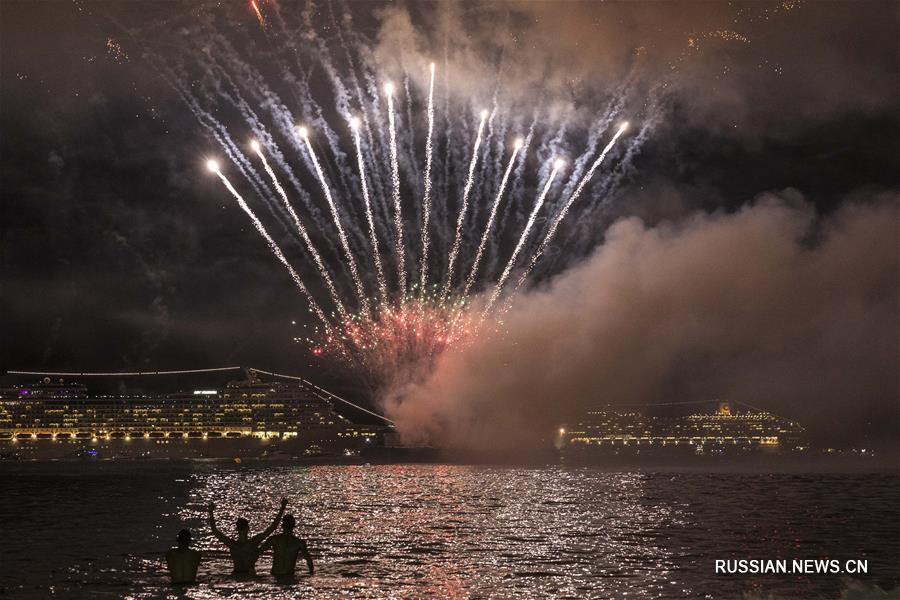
244 549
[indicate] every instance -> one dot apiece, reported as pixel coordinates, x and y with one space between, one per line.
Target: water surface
95 530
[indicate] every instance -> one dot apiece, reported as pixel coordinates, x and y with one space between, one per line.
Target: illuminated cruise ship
722 431
252 416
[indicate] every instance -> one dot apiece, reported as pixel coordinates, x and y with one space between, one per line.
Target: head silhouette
184 538
243 526
288 523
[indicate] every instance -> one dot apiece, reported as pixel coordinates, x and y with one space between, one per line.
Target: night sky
120 252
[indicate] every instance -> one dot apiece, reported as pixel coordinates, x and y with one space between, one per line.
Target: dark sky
119 252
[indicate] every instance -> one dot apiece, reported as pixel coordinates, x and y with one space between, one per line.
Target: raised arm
271 528
265 547
215 530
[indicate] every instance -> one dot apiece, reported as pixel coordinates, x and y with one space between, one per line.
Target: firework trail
360 48
517 191
351 261
484 182
373 237
341 100
303 233
454 250
263 134
490 223
625 165
602 193
378 146
314 306
614 107
440 213
557 165
395 181
565 209
426 198
220 133
411 164
282 118
259 16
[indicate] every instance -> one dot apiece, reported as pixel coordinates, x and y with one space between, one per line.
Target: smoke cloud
744 69
771 305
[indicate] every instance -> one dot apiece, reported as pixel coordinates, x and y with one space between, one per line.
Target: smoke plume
772 305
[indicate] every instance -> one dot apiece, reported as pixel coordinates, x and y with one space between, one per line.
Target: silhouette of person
245 549
286 547
182 561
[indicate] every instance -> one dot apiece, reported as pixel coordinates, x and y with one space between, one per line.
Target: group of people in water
244 549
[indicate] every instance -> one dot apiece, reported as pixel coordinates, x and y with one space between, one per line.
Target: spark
454 250
565 209
351 261
395 181
116 51
259 16
426 199
323 270
487 230
276 250
373 237
557 165
401 339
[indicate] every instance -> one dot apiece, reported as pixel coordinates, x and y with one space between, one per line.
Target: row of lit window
766 440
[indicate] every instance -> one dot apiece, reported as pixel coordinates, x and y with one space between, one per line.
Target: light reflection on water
401 531
414 531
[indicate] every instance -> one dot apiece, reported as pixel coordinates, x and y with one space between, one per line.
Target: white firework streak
426 199
490 223
518 249
382 284
562 214
303 234
351 261
273 247
454 250
395 180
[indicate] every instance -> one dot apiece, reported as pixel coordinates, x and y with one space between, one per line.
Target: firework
256 11
426 198
276 250
351 261
395 185
373 236
454 250
487 230
557 165
323 270
565 209
395 336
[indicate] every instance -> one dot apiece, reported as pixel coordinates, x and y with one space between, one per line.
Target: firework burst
402 334
400 341
412 244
